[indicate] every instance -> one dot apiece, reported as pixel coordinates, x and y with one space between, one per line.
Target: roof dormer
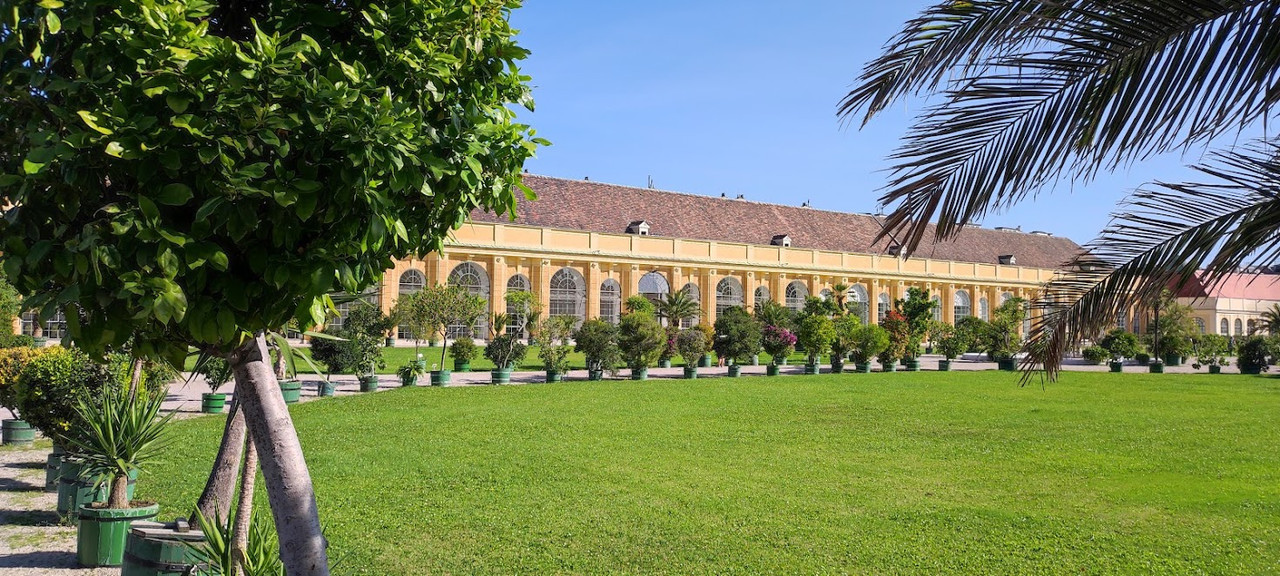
781 240
1008 259
638 227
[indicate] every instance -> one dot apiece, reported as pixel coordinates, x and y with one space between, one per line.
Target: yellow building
1232 307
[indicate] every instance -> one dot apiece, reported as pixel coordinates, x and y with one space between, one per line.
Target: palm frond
1159 240
1095 85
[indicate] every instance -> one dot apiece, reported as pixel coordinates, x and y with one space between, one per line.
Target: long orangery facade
583 248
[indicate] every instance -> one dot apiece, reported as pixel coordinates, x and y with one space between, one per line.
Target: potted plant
692 344
368 358
669 349
598 341
12 360
409 373
217 372
641 340
463 350
1156 367
899 332
737 336
504 350
117 434
1002 341
1120 344
949 342
1252 355
845 337
1212 351
1095 355
554 333
778 343
709 338
917 310
814 333
1143 358
869 341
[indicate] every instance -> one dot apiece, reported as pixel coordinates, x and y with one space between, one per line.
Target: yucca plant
261 556
118 433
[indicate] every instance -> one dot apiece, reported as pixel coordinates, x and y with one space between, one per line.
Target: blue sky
739 97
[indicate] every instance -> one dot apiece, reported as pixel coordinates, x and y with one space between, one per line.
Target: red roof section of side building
610 208
1253 286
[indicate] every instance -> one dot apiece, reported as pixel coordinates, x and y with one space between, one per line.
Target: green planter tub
735 371
704 361
156 549
1156 368
888 366
325 388
1116 366
639 373
1007 364
291 390
440 377
53 469
811 369
944 365
211 403
595 375
771 370
409 380
369 383
1215 369
837 367
17 432
101 536
75 490
912 365
690 372
862 368
500 376
664 363
461 366
555 376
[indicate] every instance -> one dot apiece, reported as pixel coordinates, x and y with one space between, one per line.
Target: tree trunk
289 489
244 508
136 380
119 497
215 501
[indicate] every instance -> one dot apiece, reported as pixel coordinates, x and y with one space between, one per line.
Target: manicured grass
877 473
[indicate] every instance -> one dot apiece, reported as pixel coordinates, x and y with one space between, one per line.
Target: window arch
1200 324
1239 327
762 294
883 306
825 294
984 308
568 294
610 301
1224 327
654 286
937 307
728 294
515 314
796 293
694 293
1120 321
410 282
963 307
472 278
858 297
1005 297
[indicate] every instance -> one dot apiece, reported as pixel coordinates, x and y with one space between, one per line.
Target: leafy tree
869 342
1032 92
640 304
1121 344
771 313
846 336
917 309
199 172
678 307
1175 327
598 341
641 339
1001 339
692 344
10 305
898 330
737 334
973 329
778 343
1212 349
814 305
815 334
554 333
949 341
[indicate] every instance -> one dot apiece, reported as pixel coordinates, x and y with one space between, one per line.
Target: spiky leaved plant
118 433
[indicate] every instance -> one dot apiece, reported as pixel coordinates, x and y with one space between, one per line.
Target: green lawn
878 473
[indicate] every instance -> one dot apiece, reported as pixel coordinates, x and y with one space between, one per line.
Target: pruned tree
200 172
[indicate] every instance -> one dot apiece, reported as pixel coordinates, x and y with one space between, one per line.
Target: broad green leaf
115 149
91 120
175 194
30 167
53 22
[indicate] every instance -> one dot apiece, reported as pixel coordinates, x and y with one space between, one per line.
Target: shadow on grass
30 518
25 465
13 485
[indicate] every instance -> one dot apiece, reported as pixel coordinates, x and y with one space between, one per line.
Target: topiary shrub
692 344
598 341
52 384
464 350
1252 357
1095 354
641 339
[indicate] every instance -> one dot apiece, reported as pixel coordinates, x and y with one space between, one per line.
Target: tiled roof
1237 285
609 208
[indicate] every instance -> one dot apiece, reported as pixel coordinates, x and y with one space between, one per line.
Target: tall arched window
1200 325
937 307
825 294
858 297
568 294
796 294
1120 321
1005 297
471 277
963 306
410 282
728 294
610 301
515 313
984 309
1239 327
1224 327
883 306
694 293
654 286
762 294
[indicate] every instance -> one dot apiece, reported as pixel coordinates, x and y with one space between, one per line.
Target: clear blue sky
739 97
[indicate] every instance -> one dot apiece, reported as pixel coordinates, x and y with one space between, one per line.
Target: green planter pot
664 363
554 376
863 368
325 388
388 342
1215 369
811 369
76 490
944 365
500 376
1250 369
52 470
17 432
595 375
704 361
440 377
912 365
1156 368
771 370
291 390
1116 366
461 366
422 365
639 373
1173 360
212 403
888 366
102 533
690 373
410 380
837 367
735 371
1007 364
155 549
369 383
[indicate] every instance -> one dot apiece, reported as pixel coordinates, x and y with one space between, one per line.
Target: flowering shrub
778 342
899 336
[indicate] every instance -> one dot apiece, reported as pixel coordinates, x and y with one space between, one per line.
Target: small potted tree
669 349
554 333
737 336
778 343
463 350
692 344
216 372
1252 356
1120 344
12 360
895 324
869 342
505 351
117 434
917 311
409 373
814 333
641 340
709 336
949 342
1212 351
597 340
844 339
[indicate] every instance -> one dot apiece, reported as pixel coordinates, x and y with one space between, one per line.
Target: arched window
369 295
762 294
984 309
796 293
728 294
1200 324
883 306
654 286
937 307
1239 327
515 313
1224 327
610 301
963 306
568 294
691 290
825 294
858 298
1252 326
410 282
471 277
1005 297
1120 321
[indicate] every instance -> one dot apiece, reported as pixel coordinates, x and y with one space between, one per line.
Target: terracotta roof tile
609 208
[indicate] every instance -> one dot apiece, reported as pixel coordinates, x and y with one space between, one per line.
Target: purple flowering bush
778 342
